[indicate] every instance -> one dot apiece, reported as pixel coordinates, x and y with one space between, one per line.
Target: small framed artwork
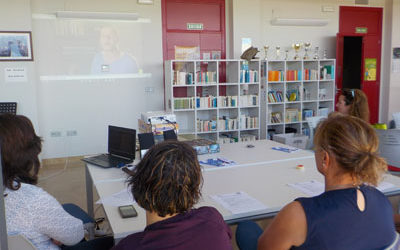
16 46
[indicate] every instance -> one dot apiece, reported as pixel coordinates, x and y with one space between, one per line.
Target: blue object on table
286 150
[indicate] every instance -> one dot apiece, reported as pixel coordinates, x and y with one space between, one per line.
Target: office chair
146 141
170 135
389 147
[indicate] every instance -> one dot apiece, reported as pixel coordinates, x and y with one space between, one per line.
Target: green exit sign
363 30
194 26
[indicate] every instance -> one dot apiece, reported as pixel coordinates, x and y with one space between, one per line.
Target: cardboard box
291 139
156 129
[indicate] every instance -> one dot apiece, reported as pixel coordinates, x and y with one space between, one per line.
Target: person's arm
52 220
289 228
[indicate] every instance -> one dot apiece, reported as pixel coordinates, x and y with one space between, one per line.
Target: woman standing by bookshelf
353 102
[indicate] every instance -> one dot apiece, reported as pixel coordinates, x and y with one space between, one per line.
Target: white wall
16 17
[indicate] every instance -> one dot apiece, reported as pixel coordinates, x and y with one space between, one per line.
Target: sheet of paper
121 198
385 185
311 188
239 202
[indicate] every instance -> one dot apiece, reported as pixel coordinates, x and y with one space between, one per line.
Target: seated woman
351 213
167 183
30 211
353 102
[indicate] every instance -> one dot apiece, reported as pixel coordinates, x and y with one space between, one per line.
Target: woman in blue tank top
351 213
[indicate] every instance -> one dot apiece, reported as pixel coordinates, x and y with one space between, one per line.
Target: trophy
266 47
286 55
307 47
278 54
325 54
316 56
296 47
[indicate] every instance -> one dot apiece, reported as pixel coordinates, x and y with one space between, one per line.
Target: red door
365 22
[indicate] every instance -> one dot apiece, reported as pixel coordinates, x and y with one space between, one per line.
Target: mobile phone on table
127 211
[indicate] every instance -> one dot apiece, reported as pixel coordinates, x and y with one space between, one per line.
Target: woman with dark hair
31 211
167 183
353 102
351 213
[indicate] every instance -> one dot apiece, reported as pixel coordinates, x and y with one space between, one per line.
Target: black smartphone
127 211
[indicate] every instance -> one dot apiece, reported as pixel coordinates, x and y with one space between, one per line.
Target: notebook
121 148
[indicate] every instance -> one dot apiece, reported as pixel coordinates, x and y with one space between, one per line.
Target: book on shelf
310 74
206 77
226 138
308 113
184 103
293 75
226 123
323 111
247 137
206 125
292 95
206 102
275 96
248 76
275 117
182 78
248 100
292 115
275 75
248 122
327 72
227 101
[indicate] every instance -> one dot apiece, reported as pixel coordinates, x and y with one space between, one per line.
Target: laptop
121 148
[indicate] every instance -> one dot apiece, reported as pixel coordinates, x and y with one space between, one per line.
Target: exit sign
363 30
194 26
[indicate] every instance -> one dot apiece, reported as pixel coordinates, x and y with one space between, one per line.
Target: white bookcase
293 90
215 99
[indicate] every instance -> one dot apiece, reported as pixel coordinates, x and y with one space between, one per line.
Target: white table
264 180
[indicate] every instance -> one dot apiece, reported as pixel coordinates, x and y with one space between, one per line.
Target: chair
146 141
169 135
88 222
312 124
395 245
396 118
389 147
19 242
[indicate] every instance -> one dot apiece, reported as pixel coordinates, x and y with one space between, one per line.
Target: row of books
308 113
224 139
248 76
247 122
206 102
247 137
206 125
275 96
275 75
275 117
310 74
182 78
293 75
226 123
248 100
184 103
327 72
206 77
227 101
292 115
292 95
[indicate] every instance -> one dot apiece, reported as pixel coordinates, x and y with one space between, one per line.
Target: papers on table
385 185
239 202
311 188
284 149
219 162
121 198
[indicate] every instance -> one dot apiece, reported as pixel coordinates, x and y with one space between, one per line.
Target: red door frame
371 88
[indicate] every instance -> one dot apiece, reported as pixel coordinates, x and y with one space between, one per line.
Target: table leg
89 193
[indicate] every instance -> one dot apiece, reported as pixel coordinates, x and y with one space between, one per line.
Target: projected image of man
111 60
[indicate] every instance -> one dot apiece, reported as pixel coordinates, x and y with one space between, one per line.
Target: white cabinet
215 99
294 90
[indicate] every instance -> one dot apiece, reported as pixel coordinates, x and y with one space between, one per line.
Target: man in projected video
111 60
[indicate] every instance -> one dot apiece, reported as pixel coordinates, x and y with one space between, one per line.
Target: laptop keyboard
109 160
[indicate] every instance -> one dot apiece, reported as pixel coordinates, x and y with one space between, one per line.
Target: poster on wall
16 46
396 60
370 69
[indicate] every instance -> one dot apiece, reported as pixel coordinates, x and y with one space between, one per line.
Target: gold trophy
266 47
296 47
307 47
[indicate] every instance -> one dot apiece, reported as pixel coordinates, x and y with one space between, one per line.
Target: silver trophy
266 47
316 53
307 47
278 53
286 55
325 54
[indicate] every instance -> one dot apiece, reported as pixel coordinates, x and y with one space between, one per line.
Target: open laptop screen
121 142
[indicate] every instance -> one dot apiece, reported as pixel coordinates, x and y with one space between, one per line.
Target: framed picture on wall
16 46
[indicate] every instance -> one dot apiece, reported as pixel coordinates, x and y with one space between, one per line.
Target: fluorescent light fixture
97 15
299 21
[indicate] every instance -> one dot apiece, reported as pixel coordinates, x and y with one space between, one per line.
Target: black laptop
121 148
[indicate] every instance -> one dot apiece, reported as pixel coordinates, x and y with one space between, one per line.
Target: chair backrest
395 245
396 118
312 124
19 242
389 146
169 135
146 141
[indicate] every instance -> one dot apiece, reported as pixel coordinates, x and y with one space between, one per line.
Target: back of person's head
20 150
358 102
353 143
168 179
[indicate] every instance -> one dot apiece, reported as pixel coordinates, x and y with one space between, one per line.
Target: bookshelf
215 99
294 90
